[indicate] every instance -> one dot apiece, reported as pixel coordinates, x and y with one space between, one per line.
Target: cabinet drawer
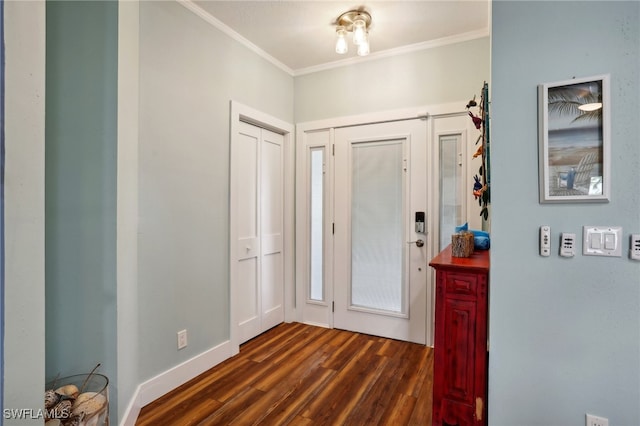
461 284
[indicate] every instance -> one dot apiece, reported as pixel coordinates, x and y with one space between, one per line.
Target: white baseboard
317 324
133 409
159 385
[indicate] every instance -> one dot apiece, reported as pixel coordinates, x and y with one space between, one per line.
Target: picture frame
574 140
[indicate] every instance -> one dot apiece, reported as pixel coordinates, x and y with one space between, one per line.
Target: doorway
376 200
380 270
261 223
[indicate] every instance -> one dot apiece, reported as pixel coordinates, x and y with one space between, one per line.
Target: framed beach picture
573 139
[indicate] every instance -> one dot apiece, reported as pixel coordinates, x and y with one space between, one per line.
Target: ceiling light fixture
358 23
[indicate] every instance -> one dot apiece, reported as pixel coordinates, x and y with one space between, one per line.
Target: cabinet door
459 349
459 298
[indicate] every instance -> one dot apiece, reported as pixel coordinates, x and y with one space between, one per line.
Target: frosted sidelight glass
450 187
316 282
377 237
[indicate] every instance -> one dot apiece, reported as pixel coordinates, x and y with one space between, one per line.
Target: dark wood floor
303 375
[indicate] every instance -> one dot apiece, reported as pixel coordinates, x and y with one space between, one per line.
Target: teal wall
564 333
2 202
80 201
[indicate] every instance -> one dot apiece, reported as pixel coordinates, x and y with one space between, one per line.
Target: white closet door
271 186
258 167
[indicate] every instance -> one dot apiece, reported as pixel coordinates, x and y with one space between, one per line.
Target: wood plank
270 343
345 352
305 390
337 407
372 406
423 411
412 379
275 395
337 392
229 411
297 365
296 374
400 410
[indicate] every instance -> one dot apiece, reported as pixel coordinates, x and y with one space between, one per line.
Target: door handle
419 243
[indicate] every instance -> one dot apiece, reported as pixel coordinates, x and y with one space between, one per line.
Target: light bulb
359 31
363 47
341 42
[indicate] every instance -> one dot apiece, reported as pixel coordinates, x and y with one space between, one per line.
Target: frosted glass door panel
377 236
451 197
314 222
316 283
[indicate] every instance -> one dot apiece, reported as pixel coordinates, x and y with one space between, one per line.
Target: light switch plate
602 241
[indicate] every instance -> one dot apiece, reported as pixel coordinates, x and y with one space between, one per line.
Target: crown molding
431 44
188 4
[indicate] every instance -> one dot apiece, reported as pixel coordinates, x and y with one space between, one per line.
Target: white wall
564 333
24 305
189 72
435 76
127 205
445 75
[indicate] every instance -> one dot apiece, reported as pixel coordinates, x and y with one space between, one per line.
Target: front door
360 188
381 256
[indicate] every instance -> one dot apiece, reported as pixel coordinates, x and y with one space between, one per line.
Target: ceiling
300 35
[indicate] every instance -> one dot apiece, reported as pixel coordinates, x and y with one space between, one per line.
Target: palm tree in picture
581 101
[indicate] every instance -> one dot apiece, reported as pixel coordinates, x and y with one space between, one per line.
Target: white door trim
430 111
243 113
382 116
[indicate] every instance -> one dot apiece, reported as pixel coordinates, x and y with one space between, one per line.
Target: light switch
602 241
610 241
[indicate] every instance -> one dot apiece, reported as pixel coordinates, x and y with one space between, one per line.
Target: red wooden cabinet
460 346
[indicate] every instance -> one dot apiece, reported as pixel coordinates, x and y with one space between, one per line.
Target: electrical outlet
596 421
182 339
